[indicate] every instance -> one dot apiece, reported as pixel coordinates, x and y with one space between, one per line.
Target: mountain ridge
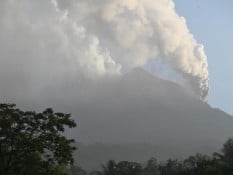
132 97
141 108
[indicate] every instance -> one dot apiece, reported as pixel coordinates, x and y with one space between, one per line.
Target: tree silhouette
33 143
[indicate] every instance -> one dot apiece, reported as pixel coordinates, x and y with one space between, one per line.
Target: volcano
140 115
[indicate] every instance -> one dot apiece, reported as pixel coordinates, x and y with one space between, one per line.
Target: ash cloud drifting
51 42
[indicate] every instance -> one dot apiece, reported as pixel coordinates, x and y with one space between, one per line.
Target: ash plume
52 41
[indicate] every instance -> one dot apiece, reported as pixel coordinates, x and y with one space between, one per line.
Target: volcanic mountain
139 115
140 107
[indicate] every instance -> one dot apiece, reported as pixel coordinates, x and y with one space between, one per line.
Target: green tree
225 159
152 167
120 168
227 151
76 170
172 167
129 168
109 168
34 143
202 165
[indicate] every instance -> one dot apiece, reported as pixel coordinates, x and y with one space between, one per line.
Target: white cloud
52 41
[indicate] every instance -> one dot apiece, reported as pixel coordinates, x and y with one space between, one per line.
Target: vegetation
32 143
217 164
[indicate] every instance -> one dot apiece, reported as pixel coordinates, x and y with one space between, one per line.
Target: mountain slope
140 108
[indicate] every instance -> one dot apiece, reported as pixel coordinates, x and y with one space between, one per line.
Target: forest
34 143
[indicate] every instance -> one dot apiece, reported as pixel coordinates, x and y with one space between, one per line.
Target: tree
172 167
228 151
225 160
120 168
129 168
202 165
110 168
152 167
33 143
76 170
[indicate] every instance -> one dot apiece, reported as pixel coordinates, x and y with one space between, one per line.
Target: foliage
228 151
121 168
217 164
75 170
33 143
151 168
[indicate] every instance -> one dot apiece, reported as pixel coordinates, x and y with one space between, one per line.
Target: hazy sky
211 23
50 44
44 43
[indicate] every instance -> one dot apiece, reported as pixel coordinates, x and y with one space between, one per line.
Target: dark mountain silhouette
140 109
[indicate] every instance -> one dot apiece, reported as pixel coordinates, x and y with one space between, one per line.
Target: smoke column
68 39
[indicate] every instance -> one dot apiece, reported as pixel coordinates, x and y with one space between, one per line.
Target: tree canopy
33 143
217 164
